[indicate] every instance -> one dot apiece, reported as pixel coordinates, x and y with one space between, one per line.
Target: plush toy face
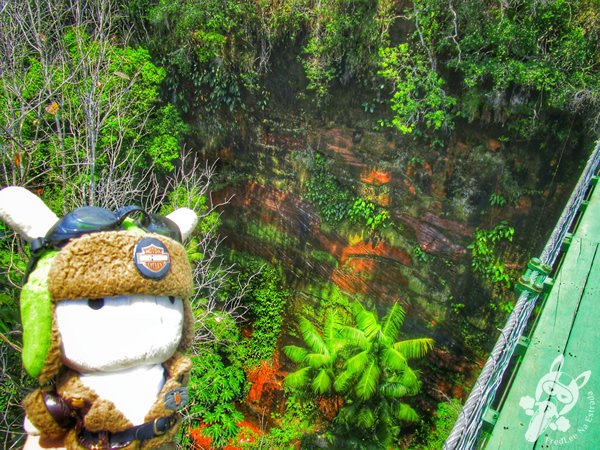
116 333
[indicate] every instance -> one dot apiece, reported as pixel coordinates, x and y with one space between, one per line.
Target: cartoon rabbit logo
556 394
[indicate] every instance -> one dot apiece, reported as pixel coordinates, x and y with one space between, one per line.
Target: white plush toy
106 318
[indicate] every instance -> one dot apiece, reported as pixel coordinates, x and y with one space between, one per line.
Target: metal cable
465 432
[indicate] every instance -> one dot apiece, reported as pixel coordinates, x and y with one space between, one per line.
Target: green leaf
322 382
394 390
393 359
357 363
366 418
393 321
298 379
295 353
414 348
315 360
367 322
311 336
367 384
402 411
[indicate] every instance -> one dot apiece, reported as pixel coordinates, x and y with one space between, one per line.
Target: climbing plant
418 94
486 252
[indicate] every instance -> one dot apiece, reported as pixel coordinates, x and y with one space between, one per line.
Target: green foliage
367 213
162 145
342 36
420 254
486 253
13 387
497 200
14 381
87 111
336 204
295 424
266 297
217 49
525 59
267 301
214 387
434 436
190 197
418 90
543 46
377 375
11 259
326 193
366 365
316 374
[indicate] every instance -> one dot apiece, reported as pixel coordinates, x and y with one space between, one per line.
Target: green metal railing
467 428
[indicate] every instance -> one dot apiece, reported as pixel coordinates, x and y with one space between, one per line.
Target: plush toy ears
29 216
25 212
186 219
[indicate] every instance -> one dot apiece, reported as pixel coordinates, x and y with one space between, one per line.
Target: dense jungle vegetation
111 102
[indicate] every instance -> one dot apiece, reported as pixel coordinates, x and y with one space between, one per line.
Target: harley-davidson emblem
151 258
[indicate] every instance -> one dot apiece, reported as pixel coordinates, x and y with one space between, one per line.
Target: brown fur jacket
99 414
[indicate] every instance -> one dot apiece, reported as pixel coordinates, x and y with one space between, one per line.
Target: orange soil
376 177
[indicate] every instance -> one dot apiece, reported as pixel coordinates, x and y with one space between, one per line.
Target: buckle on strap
161 425
102 443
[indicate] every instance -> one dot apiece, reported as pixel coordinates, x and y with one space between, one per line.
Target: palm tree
376 375
317 374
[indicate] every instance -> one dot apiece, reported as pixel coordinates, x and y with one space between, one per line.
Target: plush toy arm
50 425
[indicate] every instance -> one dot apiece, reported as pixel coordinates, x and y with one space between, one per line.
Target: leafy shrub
267 298
322 189
214 387
418 90
367 213
486 253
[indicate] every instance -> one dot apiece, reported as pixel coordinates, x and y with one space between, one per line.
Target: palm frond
414 348
393 359
343 382
311 336
393 390
368 322
401 411
332 326
357 308
411 381
321 384
347 413
392 322
366 418
295 353
354 337
316 360
298 379
368 381
358 362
